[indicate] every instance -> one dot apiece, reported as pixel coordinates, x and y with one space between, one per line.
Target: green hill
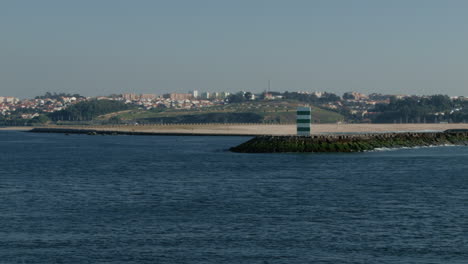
88 110
247 112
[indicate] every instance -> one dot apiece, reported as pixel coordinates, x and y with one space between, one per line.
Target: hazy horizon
104 47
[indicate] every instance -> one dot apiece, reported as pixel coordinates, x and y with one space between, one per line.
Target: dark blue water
162 199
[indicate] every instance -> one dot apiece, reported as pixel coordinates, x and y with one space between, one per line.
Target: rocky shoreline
350 143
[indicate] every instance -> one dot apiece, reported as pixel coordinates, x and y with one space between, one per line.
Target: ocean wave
415 147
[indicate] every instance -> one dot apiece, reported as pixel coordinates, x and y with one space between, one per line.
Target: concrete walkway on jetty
261 129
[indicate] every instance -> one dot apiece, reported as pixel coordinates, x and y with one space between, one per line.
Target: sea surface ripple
177 199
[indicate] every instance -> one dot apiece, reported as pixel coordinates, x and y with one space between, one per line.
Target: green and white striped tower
303 121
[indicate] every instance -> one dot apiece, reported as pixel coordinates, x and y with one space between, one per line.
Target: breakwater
350 143
126 132
314 143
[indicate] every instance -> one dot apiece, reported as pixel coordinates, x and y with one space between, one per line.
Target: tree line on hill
88 110
301 97
432 109
57 96
312 98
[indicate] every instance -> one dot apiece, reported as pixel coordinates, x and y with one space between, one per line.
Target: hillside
88 110
246 112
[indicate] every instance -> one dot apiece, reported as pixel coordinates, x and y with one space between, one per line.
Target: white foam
415 147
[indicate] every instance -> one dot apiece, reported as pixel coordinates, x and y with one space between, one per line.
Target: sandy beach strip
260 129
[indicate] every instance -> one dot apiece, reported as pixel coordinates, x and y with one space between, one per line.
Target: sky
101 47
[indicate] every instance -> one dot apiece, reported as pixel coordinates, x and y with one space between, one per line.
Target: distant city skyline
116 46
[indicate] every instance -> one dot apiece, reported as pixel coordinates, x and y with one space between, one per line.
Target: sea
187 199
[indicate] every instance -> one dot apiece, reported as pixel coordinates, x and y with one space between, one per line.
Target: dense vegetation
239 97
88 110
56 96
311 98
433 109
15 118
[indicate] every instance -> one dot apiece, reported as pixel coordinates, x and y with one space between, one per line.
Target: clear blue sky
99 47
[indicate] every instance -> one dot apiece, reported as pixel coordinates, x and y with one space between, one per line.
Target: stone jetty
313 143
350 143
127 132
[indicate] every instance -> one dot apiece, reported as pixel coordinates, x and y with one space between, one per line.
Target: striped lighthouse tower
303 121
